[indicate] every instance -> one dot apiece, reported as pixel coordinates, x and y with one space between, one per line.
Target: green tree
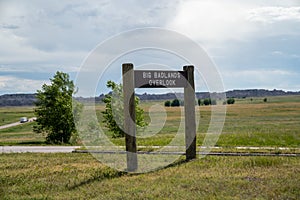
54 109
175 103
207 102
199 102
114 110
167 103
230 101
265 99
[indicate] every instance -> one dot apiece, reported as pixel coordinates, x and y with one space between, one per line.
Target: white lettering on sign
146 74
159 79
167 75
164 83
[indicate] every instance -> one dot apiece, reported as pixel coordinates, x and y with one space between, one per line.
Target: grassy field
21 135
80 176
275 123
248 123
13 114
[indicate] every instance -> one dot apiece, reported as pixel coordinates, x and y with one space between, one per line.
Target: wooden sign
157 79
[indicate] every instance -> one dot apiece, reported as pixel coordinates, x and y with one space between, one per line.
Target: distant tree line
200 102
29 99
207 102
174 103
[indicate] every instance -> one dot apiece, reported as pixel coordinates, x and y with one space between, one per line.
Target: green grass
275 123
80 176
270 124
21 135
273 99
13 114
248 123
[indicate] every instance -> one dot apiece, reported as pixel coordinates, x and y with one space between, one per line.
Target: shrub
199 102
230 101
207 102
175 103
167 103
265 99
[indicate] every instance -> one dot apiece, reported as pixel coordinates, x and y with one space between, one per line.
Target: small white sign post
157 79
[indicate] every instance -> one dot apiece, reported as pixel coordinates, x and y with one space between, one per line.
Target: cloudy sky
254 43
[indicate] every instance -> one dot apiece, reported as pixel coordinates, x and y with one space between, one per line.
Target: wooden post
129 116
189 110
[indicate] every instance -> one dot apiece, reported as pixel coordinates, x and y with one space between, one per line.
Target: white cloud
277 53
81 25
266 79
216 22
11 84
48 35
260 75
15 51
274 14
285 55
211 20
244 36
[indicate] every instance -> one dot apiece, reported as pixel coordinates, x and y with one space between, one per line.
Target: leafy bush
230 101
167 103
265 99
207 102
175 103
199 102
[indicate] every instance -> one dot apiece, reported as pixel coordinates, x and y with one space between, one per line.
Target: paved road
37 149
69 149
16 123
